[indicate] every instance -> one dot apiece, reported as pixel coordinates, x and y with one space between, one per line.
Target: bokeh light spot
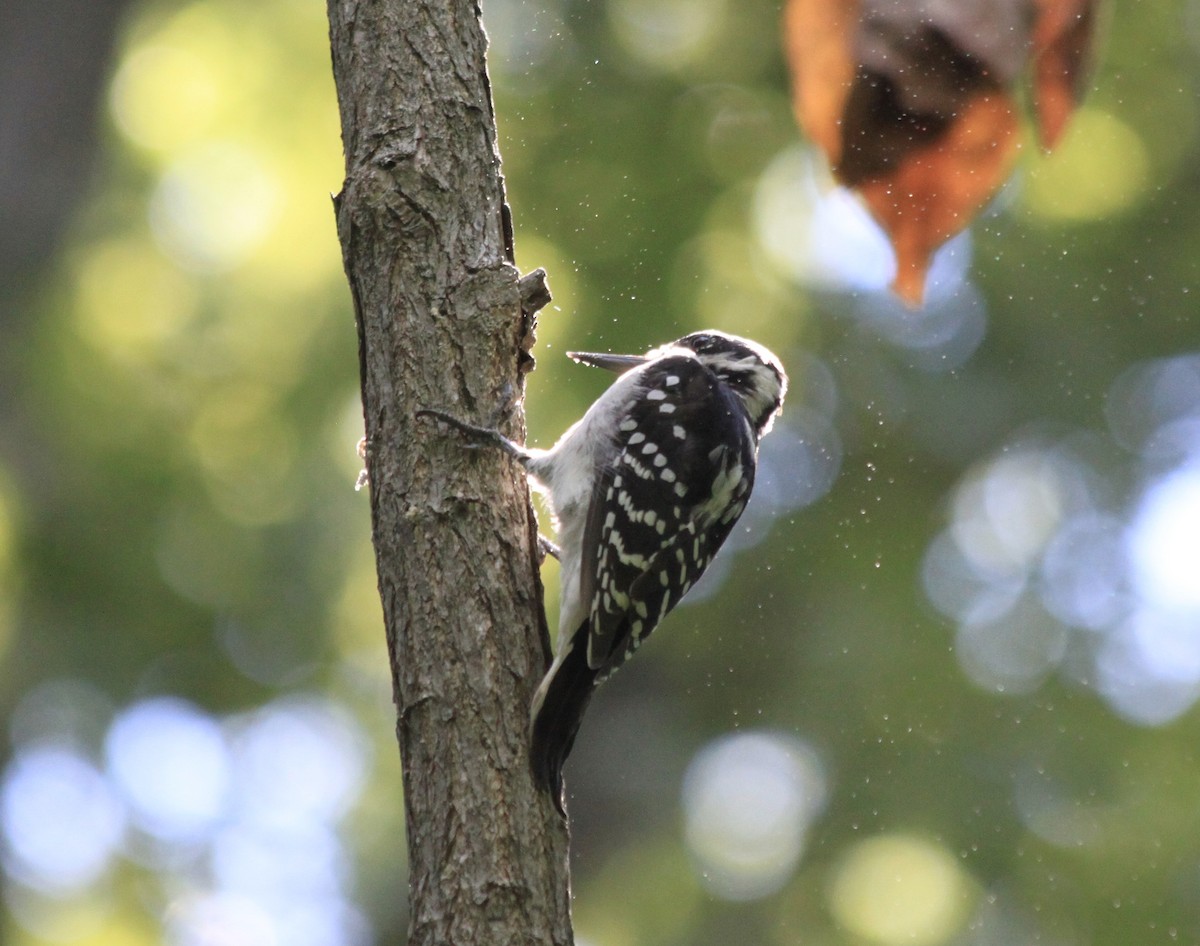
1129 671
1015 651
1101 167
130 301
299 760
814 233
1083 572
299 860
171 763
1007 511
164 96
214 206
1164 543
820 235
961 590
220 919
61 822
1153 407
901 889
666 34
949 326
749 800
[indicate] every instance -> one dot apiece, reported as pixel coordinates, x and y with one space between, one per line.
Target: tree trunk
427 249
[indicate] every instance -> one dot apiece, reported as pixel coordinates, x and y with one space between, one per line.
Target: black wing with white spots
665 505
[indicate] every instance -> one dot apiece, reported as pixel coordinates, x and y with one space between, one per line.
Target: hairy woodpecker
643 490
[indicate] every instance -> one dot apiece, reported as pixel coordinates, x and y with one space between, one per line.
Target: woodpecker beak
616 363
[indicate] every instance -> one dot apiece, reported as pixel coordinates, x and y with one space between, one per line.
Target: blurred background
941 686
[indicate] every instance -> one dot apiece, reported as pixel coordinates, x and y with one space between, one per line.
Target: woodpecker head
752 372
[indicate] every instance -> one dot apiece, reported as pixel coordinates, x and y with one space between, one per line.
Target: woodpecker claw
546 547
477 436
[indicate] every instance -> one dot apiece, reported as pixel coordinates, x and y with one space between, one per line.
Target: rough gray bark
427 249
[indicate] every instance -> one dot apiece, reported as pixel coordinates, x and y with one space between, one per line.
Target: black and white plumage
644 489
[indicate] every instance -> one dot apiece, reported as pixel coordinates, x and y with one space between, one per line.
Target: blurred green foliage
939 691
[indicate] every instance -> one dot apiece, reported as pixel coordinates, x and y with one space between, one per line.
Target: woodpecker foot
546 547
476 436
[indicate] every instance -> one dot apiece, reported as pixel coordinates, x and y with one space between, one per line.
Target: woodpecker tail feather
557 712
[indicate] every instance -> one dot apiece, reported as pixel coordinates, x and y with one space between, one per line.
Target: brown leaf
913 103
820 36
908 92
938 188
1062 45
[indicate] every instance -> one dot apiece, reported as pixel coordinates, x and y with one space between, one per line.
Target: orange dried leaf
820 39
1062 43
937 189
912 102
